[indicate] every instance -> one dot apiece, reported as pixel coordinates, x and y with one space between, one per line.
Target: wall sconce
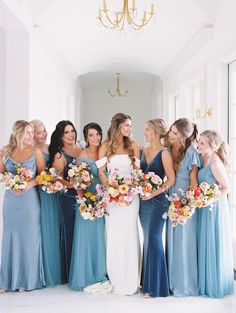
203 114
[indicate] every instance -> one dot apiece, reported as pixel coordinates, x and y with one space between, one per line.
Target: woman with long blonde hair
120 152
155 158
21 263
215 257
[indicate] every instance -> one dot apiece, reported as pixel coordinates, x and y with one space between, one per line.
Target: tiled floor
63 300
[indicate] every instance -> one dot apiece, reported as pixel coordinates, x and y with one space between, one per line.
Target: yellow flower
123 189
88 194
93 198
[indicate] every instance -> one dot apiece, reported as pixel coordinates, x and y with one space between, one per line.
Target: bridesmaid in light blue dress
21 263
88 261
49 215
63 150
155 158
215 257
181 240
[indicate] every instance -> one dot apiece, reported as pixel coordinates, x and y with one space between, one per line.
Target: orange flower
147 188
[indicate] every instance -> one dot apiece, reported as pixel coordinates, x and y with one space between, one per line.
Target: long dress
123 246
215 257
67 220
49 215
88 260
22 263
154 269
182 240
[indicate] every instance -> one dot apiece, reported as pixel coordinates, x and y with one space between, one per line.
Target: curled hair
56 143
91 126
189 132
36 123
218 145
113 134
159 127
17 136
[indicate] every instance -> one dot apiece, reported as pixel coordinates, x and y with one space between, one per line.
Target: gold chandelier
127 14
117 92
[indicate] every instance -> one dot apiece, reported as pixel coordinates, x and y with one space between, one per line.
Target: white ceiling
71 27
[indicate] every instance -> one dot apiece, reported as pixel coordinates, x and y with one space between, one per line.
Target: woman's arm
59 164
220 174
2 165
102 169
194 176
40 161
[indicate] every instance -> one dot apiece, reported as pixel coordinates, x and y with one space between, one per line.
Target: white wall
142 102
52 91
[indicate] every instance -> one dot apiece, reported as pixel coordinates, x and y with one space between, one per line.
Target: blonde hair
17 136
36 123
113 133
159 127
218 145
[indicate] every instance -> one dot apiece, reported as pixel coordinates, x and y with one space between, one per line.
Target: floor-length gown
67 220
154 269
88 260
123 246
215 257
181 240
21 263
49 215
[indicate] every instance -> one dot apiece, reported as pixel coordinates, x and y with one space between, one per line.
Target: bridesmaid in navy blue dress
63 150
49 216
155 158
21 257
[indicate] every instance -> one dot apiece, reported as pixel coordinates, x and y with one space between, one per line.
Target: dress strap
101 162
137 162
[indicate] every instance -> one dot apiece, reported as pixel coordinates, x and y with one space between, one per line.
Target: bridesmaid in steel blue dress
49 215
63 150
21 263
155 158
182 240
215 257
88 261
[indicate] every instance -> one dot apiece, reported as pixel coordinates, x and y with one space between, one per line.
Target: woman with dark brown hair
123 248
182 239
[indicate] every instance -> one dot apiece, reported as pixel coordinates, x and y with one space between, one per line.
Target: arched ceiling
71 28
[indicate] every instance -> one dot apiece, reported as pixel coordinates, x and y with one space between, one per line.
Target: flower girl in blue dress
215 257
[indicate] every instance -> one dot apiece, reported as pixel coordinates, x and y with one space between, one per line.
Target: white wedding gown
123 245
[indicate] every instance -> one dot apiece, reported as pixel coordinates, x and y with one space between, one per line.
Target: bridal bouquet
180 211
16 182
80 176
202 195
147 182
121 189
91 205
49 181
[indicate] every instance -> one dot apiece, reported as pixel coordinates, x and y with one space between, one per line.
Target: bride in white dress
119 152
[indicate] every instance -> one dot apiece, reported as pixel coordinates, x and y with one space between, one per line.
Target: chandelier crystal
117 92
127 14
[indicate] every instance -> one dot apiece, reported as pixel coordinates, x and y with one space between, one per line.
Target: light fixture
117 92
125 14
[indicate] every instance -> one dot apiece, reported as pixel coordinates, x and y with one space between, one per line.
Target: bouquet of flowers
179 210
16 182
49 181
202 195
91 205
80 176
147 182
121 189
